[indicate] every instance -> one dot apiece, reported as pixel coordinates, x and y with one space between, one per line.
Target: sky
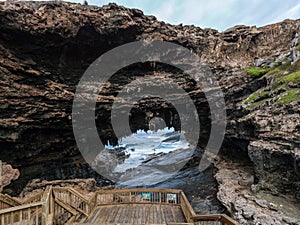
217 14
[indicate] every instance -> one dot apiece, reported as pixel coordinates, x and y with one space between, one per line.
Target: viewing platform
60 206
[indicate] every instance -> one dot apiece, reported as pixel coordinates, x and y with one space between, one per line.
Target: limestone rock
45 47
8 175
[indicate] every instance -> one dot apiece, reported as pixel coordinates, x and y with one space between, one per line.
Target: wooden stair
66 206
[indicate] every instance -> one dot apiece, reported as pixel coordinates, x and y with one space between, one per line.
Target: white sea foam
142 144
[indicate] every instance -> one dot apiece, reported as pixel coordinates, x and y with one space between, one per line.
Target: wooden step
133 224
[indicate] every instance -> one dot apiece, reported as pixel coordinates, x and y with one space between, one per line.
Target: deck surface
137 214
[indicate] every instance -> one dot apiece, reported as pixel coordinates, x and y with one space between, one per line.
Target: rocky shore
45 47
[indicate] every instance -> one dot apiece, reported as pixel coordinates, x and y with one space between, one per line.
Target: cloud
167 10
213 13
224 14
292 13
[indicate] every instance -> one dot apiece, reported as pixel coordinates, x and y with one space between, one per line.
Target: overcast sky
218 14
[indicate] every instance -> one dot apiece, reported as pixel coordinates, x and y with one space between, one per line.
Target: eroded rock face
46 47
8 174
85 186
252 207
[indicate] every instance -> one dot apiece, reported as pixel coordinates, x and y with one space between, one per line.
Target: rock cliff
45 47
7 175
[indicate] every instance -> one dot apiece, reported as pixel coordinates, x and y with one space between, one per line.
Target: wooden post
1 176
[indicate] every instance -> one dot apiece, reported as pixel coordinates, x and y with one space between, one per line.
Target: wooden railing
187 208
35 198
39 213
214 219
140 196
48 206
62 206
134 196
30 214
63 213
6 201
1 186
72 198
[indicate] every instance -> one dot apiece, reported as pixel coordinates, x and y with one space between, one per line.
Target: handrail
41 212
187 209
224 219
1 187
133 196
70 190
48 206
16 215
65 206
65 216
72 198
127 190
35 198
20 207
62 206
7 201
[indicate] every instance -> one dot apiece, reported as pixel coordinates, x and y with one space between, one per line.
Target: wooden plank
216 217
113 214
118 214
33 198
227 220
163 212
139 214
107 214
126 215
65 206
95 214
187 209
171 191
1 186
9 200
170 215
20 207
132 210
142 211
103 215
179 214
158 214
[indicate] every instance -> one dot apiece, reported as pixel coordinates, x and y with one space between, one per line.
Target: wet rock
120 153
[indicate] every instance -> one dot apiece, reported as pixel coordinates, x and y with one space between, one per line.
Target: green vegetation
253 71
277 72
261 102
289 96
291 78
281 91
280 87
297 48
256 95
295 67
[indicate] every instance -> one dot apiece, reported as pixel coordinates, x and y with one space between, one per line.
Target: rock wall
46 47
7 175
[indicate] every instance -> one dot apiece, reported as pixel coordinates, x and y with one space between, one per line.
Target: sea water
142 145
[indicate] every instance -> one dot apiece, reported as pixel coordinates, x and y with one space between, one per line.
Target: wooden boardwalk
66 206
137 214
